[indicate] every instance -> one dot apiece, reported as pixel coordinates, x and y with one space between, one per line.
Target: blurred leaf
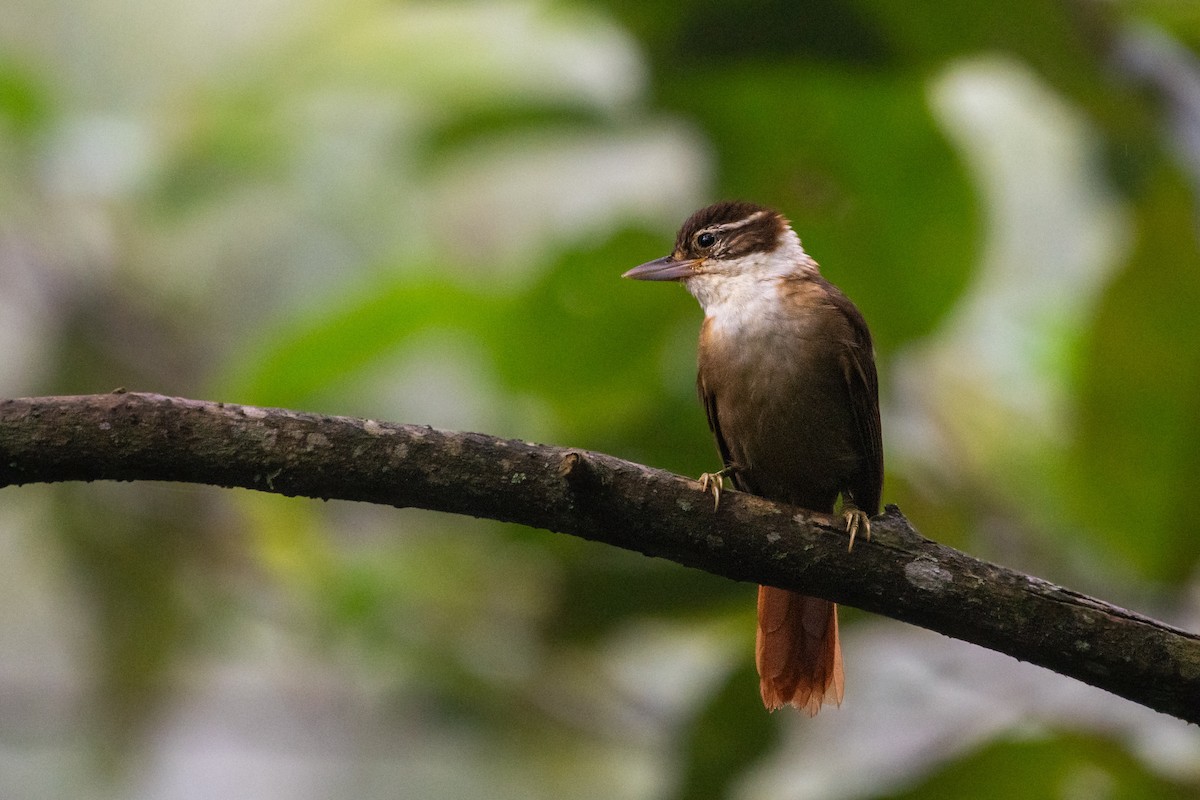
1180 19
226 143
680 36
1137 443
727 737
589 342
128 548
309 354
1069 44
1053 767
1044 32
602 588
25 103
443 142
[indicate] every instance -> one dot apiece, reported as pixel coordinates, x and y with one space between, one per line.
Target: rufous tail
797 652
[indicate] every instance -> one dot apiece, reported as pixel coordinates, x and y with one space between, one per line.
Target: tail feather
797 652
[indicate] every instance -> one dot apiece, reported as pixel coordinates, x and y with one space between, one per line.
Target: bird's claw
713 482
856 520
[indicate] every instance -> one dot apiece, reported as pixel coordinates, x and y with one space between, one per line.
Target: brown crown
740 228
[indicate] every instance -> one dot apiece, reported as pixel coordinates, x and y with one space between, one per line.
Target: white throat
744 294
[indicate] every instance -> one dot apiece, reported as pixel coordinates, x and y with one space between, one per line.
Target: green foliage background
419 212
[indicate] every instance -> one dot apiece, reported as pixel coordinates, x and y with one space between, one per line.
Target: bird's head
730 248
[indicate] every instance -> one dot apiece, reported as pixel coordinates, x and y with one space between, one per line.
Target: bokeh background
418 211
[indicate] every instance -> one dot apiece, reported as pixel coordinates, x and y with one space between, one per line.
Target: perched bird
787 378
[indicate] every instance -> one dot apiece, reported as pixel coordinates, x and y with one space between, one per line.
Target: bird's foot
713 482
856 520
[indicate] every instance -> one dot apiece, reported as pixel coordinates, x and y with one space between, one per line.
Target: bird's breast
777 385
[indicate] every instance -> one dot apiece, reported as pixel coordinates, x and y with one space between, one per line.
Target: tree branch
899 573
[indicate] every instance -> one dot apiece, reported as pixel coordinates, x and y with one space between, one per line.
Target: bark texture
899 573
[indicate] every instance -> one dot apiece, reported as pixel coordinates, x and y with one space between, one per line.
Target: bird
786 374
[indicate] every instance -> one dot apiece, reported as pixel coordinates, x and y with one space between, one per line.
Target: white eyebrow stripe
727 226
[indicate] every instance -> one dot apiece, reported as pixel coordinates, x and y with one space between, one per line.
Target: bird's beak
667 268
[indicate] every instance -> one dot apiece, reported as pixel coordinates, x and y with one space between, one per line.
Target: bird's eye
706 239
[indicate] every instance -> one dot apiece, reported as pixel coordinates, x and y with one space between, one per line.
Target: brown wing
708 397
862 387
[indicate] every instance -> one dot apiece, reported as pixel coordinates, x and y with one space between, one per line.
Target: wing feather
862 387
